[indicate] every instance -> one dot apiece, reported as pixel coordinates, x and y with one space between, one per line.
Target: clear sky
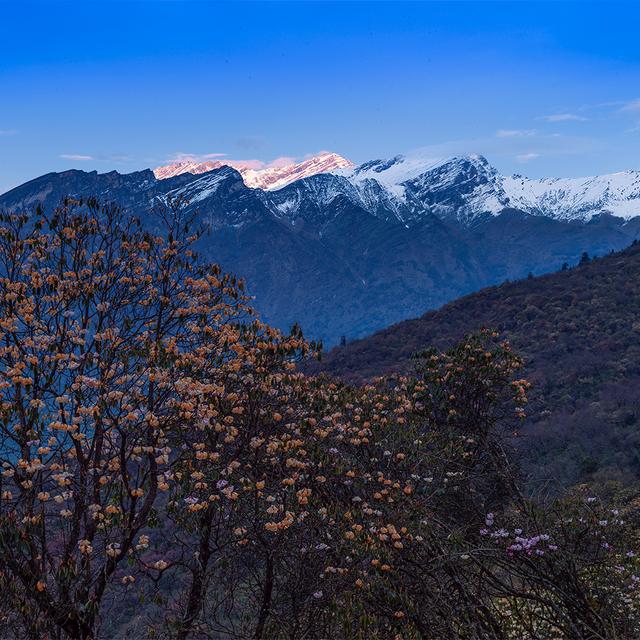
538 88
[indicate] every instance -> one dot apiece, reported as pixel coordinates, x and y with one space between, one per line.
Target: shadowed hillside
579 333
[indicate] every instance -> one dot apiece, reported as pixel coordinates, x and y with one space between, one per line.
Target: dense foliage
167 471
578 332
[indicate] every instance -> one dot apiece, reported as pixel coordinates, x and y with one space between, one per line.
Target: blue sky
538 88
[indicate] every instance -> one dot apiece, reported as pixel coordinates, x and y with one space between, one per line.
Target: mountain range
345 250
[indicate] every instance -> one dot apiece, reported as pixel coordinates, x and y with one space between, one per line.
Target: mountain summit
467 188
269 177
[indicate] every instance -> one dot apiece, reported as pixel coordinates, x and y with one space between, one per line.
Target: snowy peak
576 198
271 178
178 168
402 168
412 186
467 188
391 173
207 185
406 189
463 188
259 176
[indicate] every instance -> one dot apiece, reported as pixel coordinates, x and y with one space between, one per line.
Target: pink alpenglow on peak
260 175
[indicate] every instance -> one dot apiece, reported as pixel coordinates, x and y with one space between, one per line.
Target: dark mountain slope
515 243
129 190
579 333
343 282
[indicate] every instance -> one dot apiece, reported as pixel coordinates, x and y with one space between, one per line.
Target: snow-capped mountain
458 188
466 189
269 177
576 198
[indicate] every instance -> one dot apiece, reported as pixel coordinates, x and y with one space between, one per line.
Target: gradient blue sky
538 88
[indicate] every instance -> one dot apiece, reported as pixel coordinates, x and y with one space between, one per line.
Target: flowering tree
565 569
99 321
324 495
273 517
444 466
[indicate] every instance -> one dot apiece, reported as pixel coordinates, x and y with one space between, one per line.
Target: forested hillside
579 333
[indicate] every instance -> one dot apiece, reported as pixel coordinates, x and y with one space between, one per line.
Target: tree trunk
266 600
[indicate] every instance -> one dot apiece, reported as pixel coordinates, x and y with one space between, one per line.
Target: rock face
352 250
